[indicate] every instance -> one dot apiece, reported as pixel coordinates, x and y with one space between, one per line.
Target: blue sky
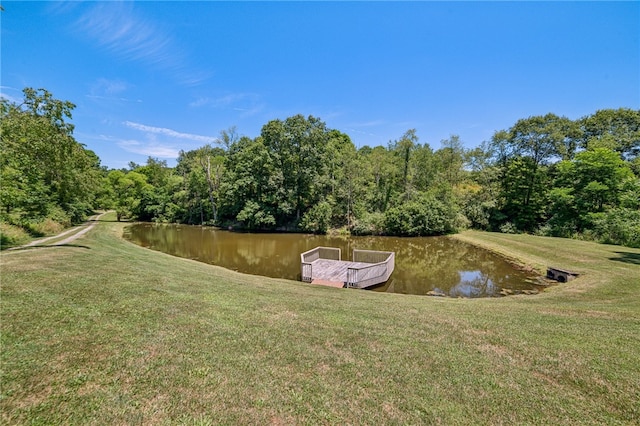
154 78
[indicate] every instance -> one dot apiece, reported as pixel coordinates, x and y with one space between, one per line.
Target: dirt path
74 233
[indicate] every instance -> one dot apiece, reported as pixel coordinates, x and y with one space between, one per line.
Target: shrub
618 226
59 216
317 219
544 230
477 210
11 235
369 224
426 216
254 216
508 228
44 227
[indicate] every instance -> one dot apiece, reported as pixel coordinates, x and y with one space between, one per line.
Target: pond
424 265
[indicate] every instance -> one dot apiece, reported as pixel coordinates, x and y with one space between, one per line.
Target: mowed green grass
105 332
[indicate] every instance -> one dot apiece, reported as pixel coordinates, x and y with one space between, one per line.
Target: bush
544 230
11 236
508 228
618 226
426 216
317 219
477 210
461 222
369 224
254 216
45 227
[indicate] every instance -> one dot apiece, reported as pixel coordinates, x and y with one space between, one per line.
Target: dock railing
382 265
308 257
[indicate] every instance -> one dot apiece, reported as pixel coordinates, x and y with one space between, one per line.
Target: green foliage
598 178
402 154
509 228
130 190
378 168
254 216
630 193
545 174
522 153
479 198
43 169
427 216
317 219
202 171
449 161
342 179
594 181
300 175
424 168
580 196
542 137
297 147
563 220
44 227
369 224
11 235
478 211
250 176
617 226
618 130
523 190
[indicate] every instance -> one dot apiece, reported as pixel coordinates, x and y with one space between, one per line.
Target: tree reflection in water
474 284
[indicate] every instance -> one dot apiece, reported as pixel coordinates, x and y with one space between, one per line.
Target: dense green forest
547 175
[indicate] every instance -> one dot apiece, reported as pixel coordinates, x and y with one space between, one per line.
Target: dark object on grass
561 275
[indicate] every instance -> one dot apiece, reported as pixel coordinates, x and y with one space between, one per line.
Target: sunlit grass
106 332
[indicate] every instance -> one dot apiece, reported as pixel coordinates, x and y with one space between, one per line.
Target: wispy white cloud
192 77
171 133
149 149
157 142
363 126
246 103
200 102
110 90
11 94
109 87
224 101
113 98
61 7
252 110
352 130
118 28
113 25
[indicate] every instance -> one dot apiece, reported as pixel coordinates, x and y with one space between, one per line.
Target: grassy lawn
104 332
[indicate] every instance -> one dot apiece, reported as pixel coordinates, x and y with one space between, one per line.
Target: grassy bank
103 332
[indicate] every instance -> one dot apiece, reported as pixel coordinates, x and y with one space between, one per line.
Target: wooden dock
324 266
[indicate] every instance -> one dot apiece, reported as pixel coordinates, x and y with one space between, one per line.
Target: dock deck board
333 270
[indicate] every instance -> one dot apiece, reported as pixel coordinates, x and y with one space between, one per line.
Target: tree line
547 175
48 180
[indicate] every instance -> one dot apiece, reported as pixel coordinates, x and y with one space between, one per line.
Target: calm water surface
424 264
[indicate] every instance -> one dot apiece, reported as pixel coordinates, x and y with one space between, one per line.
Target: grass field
104 332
